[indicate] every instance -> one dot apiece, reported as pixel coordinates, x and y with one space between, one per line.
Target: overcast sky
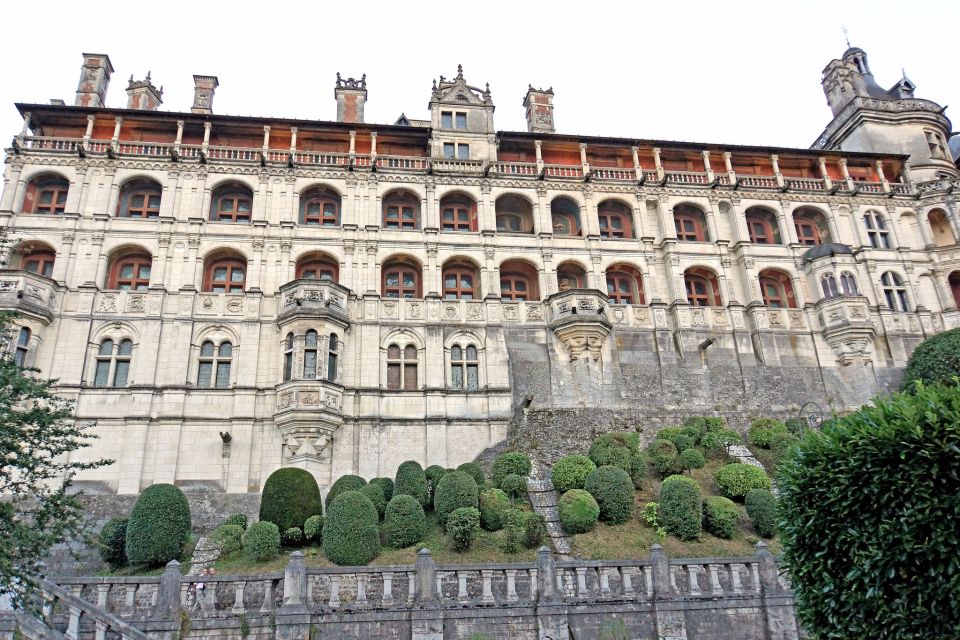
738 72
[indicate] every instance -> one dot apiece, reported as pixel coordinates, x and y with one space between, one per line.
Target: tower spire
846 35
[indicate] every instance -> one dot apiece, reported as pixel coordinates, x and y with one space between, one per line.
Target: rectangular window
448 150
120 376
461 121
473 378
393 376
332 367
203 378
310 364
410 377
223 375
456 377
446 119
463 152
102 374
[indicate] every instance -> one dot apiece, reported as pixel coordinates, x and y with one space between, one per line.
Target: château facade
225 295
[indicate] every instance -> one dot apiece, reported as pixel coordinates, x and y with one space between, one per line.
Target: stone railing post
168 594
778 603
426 578
668 614
546 576
293 616
552 621
661 573
426 620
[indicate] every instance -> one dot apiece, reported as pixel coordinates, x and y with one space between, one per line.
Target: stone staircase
543 497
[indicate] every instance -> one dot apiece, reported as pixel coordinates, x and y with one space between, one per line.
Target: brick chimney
141 94
539 106
351 95
203 90
94 80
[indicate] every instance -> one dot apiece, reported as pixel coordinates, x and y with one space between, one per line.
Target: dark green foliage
780 443
261 541
229 536
795 425
350 533
475 472
669 433
313 529
683 442
534 530
386 484
620 449
612 488
513 537
461 525
680 511
714 424
579 511
936 359
510 462
342 484
159 526
692 459
412 481
720 516
455 491
679 436
239 519
375 494
718 440
515 486
762 509
695 428
434 472
736 480
404 522
570 472
113 542
290 496
292 537
869 516
763 429
493 504
664 457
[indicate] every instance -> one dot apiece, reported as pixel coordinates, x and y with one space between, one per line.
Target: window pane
410 352
46 197
332 367
393 213
126 347
236 275
24 337
456 354
243 206
409 281
334 342
393 376
220 274
103 371
393 279
393 352
120 375
287 366
456 377
310 339
154 202
446 120
203 378
448 150
450 281
226 350
206 349
461 121
473 378
137 200
106 348
223 375
126 271
310 364
410 377
463 151
520 285
471 353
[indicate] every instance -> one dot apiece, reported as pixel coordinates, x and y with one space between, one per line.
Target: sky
723 72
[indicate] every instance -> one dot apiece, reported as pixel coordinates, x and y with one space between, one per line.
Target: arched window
895 291
811 227
140 199
954 281
333 351
762 226
689 223
215 361
624 285
459 282
401 210
571 276
940 227
130 272
848 284
702 288
402 367
614 218
231 202
39 261
828 283
514 214
225 275
458 213
876 230
518 281
288 357
310 344
46 195
320 207
565 217
464 368
401 279
113 363
777 290
318 268
22 348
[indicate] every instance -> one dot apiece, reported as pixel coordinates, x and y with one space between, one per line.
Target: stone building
226 295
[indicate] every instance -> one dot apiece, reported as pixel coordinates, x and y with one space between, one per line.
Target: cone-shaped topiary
412 481
515 486
461 525
455 491
493 504
762 508
159 526
578 511
313 529
612 489
344 483
350 532
290 496
692 459
404 522
570 472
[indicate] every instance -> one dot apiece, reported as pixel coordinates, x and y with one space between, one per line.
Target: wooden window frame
616 276
877 231
56 186
403 363
606 213
329 214
321 267
768 234
229 285
784 298
44 260
139 188
710 297
457 224
135 283
573 219
233 215
400 290
401 204
805 223
118 359
457 292
683 235
568 272
510 292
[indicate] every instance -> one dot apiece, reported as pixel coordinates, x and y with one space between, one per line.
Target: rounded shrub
386 484
404 522
736 480
350 533
290 496
513 538
612 488
493 504
511 462
695 428
570 472
669 433
664 457
683 442
239 519
434 472
345 483
622 450
762 509
720 516
680 511
475 472
936 359
515 486
717 441
692 459
578 510
313 529
763 429
158 527
462 524
261 541
292 537
455 491
228 536
113 542
780 442
375 494
534 530
412 481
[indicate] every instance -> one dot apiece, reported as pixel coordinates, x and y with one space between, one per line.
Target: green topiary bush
736 480
534 530
692 459
621 449
579 511
795 425
511 462
513 538
342 484
290 496
350 533
474 471
695 428
412 481
239 519
493 504
229 536
868 516
763 429
680 510
716 442
762 509
404 522
158 527
455 491
375 494
434 472
515 486
664 457
313 529
936 359
570 472
261 541
113 542
292 537
612 488
386 484
461 525
720 516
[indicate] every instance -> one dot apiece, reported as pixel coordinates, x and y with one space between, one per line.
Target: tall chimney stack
539 106
203 90
351 95
141 94
94 79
